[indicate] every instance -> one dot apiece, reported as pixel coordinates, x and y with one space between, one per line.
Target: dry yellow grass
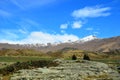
80 54
102 76
7 77
58 54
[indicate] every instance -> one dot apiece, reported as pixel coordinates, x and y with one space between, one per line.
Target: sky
51 21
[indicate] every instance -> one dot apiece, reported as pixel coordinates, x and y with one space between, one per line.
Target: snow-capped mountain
90 43
87 38
82 40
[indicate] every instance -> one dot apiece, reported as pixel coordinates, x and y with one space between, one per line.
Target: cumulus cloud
91 12
63 26
77 24
41 37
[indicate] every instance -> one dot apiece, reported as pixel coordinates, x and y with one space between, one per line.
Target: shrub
26 65
86 57
74 57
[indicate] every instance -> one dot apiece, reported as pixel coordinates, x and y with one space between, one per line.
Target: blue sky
43 21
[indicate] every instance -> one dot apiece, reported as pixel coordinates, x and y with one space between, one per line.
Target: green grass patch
22 58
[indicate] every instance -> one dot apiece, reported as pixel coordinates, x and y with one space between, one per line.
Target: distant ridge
90 43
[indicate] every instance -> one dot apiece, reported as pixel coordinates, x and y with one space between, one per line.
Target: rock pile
69 70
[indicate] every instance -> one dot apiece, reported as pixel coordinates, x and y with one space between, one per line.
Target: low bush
74 57
26 65
86 57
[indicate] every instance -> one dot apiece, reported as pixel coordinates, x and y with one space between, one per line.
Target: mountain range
89 43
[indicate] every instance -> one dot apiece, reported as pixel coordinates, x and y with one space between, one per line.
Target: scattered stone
69 70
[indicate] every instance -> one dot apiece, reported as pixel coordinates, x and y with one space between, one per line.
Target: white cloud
90 12
41 37
9 41
77 24
63 26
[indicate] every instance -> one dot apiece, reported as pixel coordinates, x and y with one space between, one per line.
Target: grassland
8 56
22 58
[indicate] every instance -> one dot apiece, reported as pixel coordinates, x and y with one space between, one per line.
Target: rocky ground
69 70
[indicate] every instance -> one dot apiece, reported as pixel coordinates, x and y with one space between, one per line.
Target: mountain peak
87 38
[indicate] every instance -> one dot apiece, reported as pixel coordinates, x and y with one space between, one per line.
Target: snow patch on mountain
87 38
